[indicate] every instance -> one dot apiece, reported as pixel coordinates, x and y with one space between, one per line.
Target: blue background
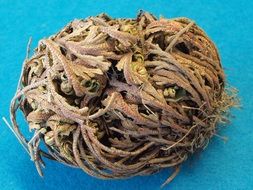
220 166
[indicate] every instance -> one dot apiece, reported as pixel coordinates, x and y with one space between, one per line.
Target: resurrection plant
122 97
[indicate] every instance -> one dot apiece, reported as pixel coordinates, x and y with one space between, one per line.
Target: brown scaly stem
122 97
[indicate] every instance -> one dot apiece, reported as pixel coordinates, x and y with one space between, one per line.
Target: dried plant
122 97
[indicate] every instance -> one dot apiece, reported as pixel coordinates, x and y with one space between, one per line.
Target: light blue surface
221 166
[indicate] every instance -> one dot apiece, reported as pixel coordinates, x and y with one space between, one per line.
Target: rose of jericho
122 97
